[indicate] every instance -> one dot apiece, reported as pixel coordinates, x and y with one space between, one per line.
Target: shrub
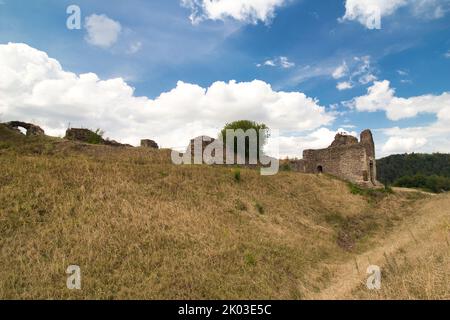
372 195
95 137
4 145
237 175
355 189
250 259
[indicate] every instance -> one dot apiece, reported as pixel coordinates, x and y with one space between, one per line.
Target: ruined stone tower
346 158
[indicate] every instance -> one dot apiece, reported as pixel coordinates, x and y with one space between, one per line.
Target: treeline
426 171
433 183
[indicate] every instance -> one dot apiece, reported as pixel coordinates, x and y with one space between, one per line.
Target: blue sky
340 71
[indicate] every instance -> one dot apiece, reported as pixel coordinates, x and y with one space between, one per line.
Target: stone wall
32 130
82 135
88 136
346 158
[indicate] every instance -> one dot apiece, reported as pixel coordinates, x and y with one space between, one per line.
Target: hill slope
140 227
391 168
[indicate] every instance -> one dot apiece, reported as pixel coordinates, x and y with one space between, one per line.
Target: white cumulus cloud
365 11
403 144
293 146
434 137
35 88
102 31
381 96
249 11
370 12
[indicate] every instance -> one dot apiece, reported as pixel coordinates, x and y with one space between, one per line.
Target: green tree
247 125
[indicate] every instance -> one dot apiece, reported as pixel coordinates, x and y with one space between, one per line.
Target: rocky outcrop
91 137
32 129
114 143
83 135
147 143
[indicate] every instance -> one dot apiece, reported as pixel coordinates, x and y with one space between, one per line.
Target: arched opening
27 129
22 130
319 169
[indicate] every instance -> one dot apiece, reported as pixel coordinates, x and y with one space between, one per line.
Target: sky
175 69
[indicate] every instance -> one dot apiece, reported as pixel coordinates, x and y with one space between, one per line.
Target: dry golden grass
142 228
418 266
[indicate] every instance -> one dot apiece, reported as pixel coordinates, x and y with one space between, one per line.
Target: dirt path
398 189
431 213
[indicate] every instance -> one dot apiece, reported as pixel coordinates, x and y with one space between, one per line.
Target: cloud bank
35 88
434 137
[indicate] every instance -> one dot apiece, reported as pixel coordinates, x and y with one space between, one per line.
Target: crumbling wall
147 143
88 136
32 130
346 158
347 162
369 145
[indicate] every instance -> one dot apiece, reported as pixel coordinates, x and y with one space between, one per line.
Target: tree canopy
391 168
246 125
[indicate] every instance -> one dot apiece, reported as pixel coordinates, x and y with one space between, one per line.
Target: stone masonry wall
345 158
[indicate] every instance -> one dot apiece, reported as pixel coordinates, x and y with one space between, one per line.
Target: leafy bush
95 137
285 167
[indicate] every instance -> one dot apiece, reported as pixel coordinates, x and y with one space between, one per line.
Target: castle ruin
31 129
346 158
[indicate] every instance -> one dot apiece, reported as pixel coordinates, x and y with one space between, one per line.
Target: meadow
140 227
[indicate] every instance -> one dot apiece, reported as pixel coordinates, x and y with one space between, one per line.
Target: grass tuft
260 208
237 175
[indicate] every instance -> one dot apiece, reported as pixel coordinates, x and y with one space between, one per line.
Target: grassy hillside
140 227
